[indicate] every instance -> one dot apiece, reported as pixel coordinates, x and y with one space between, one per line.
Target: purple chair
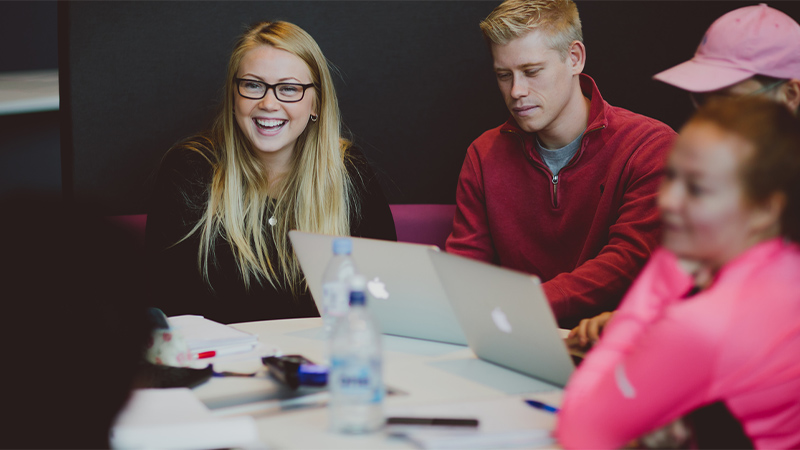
133 224
423 224
418 223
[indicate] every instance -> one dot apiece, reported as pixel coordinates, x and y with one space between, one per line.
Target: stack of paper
466 440
508 422
208 339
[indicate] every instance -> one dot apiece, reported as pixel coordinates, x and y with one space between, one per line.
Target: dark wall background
30 157
416 85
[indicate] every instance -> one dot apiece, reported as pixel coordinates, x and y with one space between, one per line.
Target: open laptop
505 316
405 295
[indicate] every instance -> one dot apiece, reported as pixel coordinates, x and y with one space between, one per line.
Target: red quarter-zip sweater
587 232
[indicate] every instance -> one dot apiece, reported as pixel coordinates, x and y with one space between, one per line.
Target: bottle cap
342 246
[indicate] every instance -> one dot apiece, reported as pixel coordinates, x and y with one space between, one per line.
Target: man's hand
582 337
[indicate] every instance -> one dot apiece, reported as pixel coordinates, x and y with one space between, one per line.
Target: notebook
505 316
206 338
404 293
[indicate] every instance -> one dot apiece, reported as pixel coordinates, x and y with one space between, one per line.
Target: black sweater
177 287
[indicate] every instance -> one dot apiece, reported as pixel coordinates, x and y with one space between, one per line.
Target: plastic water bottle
336 283
356 373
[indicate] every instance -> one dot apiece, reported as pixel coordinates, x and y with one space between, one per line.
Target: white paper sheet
504 423
176 419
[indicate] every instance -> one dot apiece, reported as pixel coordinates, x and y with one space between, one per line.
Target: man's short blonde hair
558 19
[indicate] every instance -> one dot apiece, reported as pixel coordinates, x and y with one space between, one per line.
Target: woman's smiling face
272 126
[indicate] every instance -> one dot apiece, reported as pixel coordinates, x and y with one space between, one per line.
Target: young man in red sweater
566 188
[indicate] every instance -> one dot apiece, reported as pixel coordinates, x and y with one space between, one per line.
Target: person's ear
766 216
790 95
315 105
576 56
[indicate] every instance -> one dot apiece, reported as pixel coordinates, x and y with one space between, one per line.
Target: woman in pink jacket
711 327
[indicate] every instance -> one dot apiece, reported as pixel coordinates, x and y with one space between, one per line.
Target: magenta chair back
134 224
418 223
423 224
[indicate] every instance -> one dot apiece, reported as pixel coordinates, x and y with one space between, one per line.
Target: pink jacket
663 356
586 234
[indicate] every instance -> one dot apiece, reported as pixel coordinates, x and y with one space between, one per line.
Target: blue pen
542 406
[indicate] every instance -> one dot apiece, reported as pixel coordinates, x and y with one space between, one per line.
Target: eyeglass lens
287 92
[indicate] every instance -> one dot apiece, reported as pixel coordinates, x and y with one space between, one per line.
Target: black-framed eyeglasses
701 98
285 92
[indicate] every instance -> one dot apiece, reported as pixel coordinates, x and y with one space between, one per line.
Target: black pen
432 421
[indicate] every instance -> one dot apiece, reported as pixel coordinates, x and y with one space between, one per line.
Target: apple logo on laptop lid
377 288
500 320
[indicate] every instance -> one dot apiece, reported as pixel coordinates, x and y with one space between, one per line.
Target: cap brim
694 76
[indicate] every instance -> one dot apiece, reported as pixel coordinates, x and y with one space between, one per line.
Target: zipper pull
555 190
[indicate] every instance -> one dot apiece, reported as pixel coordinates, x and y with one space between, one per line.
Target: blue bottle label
336 298
357 380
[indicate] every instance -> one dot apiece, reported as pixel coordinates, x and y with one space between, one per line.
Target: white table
29 91
430 374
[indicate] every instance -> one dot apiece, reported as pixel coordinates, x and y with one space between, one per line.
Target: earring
314 117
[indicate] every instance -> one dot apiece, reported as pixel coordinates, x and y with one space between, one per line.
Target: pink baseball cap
754 40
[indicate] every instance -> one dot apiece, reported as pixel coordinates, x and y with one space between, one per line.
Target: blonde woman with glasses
274 160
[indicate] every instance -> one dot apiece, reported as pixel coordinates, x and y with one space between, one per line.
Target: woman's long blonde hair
316 195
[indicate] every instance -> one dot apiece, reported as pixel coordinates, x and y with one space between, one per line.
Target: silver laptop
505 316
405 295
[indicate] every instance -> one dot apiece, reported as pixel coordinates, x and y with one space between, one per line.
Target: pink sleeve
471 237
652 365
